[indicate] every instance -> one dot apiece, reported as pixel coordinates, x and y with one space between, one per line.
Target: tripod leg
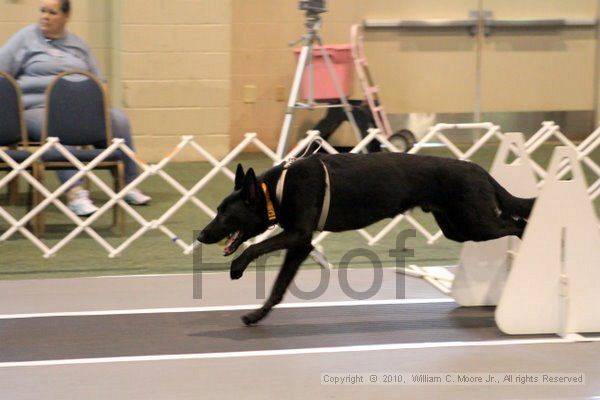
346 106
284 136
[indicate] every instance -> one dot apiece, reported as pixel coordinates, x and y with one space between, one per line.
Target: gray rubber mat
207 332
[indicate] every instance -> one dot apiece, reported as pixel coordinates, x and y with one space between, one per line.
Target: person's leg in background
78 199
122 129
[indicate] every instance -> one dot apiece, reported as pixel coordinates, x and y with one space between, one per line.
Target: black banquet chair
78 113
13 137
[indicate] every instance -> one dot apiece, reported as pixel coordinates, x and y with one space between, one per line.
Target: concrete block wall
217 69
167 63
175 73
531 71
263 63
90 20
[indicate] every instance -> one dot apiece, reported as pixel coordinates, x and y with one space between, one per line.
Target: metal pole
478 61
313 23
346 106
284 135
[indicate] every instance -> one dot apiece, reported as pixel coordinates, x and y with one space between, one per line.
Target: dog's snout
209 236
202 237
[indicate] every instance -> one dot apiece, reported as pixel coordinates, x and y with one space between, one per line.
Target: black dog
350 191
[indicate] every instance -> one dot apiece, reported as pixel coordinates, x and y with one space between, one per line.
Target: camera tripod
313 23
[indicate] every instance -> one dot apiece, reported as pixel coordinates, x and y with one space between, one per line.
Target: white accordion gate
437 133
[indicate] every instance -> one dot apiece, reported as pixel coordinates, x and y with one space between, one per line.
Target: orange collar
270 208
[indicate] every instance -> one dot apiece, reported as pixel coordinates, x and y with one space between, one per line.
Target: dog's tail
511 206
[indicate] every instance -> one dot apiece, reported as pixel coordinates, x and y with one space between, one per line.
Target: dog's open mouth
233 242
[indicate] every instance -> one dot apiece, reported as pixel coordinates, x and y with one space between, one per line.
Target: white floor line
288 352
215 273
350 303
135 276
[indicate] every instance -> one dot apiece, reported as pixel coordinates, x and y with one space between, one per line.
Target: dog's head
241 216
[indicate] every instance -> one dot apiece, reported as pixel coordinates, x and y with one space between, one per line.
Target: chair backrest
76 110
12 123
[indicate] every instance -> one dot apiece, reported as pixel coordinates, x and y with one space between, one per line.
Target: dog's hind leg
512 206
293 259
512 226
485 223
500 227
448 227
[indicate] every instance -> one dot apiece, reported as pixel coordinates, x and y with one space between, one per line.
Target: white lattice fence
438 133
53 197
84 225
584 151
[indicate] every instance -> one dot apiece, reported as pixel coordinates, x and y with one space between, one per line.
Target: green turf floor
154 253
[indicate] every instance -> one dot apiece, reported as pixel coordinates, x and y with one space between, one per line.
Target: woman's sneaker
78 200
135 197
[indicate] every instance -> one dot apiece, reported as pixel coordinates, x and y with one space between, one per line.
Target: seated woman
34 56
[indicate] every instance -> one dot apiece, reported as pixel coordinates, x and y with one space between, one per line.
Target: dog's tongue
228 250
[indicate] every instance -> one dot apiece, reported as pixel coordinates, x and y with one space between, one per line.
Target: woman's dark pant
120 129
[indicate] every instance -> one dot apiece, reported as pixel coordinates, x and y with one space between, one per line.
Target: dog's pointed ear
250 187
239 177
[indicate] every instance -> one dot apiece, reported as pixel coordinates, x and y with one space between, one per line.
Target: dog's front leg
283 240
293 259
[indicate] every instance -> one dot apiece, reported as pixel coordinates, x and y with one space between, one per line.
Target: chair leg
118 173
39 221
13 191
32 200
115 209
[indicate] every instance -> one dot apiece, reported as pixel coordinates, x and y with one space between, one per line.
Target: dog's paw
247 320
238 266
253 318
235 274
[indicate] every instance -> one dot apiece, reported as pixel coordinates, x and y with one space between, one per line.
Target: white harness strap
326 197
326 201
280 183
